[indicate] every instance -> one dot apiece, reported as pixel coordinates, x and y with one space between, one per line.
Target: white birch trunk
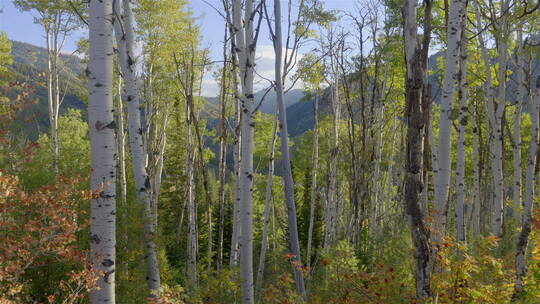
103 149
314 169
236 229
462 128
121 143
476 178
126 53
495 119
285 156
331 224
442 182
121 165
245 48
520 94
192 218
528 203
222 160
375 207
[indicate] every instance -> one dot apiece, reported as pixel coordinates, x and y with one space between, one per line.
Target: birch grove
406 172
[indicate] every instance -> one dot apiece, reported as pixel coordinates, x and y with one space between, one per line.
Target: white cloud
264 67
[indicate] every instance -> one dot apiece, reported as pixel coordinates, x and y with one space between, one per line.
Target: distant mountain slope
30 65
268 105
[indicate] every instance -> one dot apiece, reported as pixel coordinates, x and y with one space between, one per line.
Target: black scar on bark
111 125
98 85
95 238
107 274
107 263
102 194
147 182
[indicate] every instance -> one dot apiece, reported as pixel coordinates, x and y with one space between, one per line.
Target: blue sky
20 26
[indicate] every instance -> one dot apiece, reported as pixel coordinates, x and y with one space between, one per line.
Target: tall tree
457 13
527 221
462 128
58 19
416 97
245 40
125 38
103 149
285 154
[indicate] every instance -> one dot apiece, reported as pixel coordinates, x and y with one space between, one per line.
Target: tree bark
520 95
103 149
245 45
285 155
314 169
447 116
222 151
528 203
415 58
495 113
476 177
462 128
192 216
126 53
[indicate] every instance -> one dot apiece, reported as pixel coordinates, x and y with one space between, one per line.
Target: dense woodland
405 172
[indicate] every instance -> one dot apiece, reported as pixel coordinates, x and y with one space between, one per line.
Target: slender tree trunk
192 218
528 203
245 45
103 149
331 224
267 208
495 115
236 229
121 143
56 104
476 177
126 53
447 116
520 94
237 144
222 151
415 57
314 169
121 165
51 100
285 156
462 128
375 208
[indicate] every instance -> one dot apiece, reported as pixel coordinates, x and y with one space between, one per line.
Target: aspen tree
245 42
125 38
285 155
415 87
462 128
517 144
103 149
495 113
442 183
528 202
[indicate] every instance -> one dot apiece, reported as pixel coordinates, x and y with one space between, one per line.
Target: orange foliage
37 225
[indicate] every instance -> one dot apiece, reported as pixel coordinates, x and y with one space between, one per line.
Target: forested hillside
389 154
